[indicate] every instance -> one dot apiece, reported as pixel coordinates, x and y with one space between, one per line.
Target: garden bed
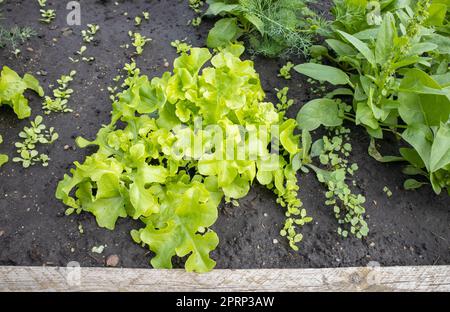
408 228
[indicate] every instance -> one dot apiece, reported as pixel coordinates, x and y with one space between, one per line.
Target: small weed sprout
139 41
182 47
89 33
284 101
32 136
62 95
47 16
285 71
348 208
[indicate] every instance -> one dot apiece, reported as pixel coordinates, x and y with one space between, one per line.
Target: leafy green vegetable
182 47
3 158
319 112
272 27
170 166
139 41
224 32
12 88
320 72
396 69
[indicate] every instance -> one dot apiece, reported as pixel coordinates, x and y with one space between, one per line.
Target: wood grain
411 278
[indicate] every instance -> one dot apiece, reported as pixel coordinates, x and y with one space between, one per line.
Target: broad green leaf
224 32
364 115
360 46
339 91
422 100
420 137
319 112
440 150
412 184
385 39
412 157
216 8
320 72
437 13
256 21
417 81
373 151
341 48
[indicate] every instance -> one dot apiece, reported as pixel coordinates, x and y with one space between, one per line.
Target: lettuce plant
150 167
12 87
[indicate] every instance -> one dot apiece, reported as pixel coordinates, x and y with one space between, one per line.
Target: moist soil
408 228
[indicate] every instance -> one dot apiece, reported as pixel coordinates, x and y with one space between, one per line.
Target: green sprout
139 41
196 21
88 35
387 191
285 71
137 21
284 102
32 136
47 16
61 96
182 47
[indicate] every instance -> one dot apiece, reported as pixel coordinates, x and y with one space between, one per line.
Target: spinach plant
398 76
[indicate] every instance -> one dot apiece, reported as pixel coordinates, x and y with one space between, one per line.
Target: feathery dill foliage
285 28
12 38
272 27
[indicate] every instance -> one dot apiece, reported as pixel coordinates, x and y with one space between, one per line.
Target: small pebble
112 261
30 49
275 241
1 233
265 214
373 264
166 64
66 147
372 244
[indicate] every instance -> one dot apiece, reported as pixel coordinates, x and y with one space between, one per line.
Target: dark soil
410 228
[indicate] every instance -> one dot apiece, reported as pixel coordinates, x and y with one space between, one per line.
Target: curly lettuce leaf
12 87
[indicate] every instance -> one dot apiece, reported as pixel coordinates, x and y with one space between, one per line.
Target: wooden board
417 278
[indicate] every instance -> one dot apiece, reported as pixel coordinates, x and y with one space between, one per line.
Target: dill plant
272 27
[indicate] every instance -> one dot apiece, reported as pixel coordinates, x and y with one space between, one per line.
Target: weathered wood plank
412 278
